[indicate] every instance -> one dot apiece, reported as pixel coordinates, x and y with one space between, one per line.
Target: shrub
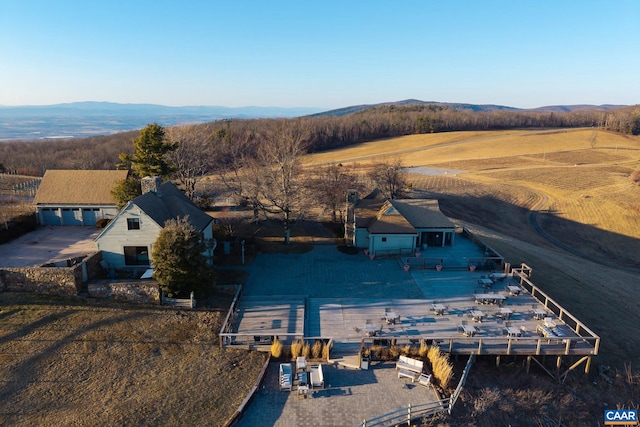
406 350
441 367
306 350
316 350
635 177
276 348
326 351
394 352
424 348
296 349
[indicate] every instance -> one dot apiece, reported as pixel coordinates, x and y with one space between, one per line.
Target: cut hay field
546 198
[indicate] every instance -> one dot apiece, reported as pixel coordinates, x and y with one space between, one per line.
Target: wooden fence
178 302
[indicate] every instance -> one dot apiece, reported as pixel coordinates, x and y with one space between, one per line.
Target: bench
424 380
409 364
317 377
407 374
286 381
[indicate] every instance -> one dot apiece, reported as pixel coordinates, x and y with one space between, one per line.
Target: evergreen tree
179 260
150 153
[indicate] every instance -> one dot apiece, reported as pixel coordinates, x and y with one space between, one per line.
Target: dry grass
276 348
81 362
441 368
296 349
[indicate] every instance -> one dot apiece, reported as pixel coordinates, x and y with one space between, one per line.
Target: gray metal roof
422 213
169 203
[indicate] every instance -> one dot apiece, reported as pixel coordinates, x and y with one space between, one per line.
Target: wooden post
528 364
587 365
497 360
558 364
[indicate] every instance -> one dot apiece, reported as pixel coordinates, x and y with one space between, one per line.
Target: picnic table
512 331
468 330
391 317
514 290
438 308
504 312
477 315
539 313
492 298
370 329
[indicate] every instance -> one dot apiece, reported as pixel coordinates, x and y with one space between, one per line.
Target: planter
438 267
472 268
366 251
372 256
407 267
417 254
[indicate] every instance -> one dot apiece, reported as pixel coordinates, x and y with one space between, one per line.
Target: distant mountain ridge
473 107
91 118
83 119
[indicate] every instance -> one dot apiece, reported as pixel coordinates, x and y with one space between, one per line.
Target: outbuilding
77 197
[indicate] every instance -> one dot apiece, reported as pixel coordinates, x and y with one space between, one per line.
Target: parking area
48 244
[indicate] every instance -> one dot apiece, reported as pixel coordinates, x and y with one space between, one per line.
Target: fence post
409 415
364 423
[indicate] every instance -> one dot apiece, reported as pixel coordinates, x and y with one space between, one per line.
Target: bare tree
281 187
330 185
193 156
594 137
390 178
239 170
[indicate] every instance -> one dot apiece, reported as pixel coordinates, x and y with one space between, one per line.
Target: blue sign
620 417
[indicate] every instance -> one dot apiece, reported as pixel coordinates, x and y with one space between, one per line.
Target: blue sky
326 54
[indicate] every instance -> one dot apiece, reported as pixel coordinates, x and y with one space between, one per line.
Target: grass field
82 362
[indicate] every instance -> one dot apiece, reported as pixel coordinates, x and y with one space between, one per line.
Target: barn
77 197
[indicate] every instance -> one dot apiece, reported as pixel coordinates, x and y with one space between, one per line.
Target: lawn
83 362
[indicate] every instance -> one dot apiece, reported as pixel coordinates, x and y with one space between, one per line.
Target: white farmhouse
128 239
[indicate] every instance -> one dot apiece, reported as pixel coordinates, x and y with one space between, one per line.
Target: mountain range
84 119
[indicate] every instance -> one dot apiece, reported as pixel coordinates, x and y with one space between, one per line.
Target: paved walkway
325 272
349 397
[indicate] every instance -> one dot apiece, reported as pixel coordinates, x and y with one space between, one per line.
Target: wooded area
223 140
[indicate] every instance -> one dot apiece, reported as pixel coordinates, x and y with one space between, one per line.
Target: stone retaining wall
61 281
141 292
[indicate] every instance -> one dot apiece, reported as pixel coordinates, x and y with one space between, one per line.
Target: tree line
324 132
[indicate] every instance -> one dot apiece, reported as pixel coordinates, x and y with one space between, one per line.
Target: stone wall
65 279
61 281
140 291
94 268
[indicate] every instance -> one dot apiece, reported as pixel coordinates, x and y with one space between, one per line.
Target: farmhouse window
384 239
136 255
133 223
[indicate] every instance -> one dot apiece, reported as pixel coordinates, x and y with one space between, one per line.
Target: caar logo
620 417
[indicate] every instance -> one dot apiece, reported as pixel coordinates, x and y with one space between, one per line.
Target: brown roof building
77 197
381 224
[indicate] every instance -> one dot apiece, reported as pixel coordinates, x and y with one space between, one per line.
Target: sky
325 54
